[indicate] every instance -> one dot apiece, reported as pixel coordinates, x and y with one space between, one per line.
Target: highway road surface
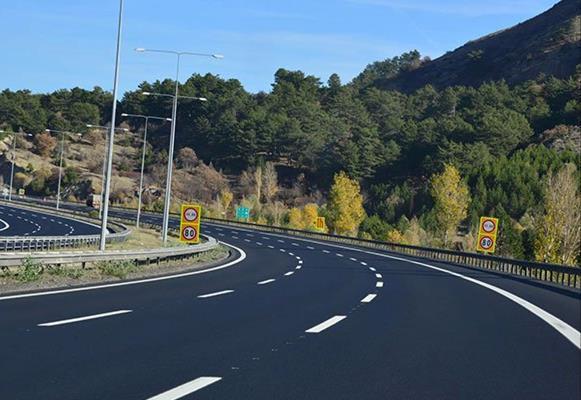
289 318
16 221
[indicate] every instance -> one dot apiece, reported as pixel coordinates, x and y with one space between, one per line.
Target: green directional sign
243 213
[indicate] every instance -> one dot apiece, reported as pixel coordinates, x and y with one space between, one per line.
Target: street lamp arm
179 53
145 116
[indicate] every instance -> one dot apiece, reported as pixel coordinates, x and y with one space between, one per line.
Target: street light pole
104 164
12 168
146 117
105 204
166 205
58 194
13 160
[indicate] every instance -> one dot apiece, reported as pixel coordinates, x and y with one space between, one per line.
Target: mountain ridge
549 44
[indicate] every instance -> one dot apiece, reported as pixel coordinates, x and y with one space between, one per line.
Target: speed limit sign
488 226
486 243
190 214
189 233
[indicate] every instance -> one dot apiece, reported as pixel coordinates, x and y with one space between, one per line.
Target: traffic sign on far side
190 223
487 232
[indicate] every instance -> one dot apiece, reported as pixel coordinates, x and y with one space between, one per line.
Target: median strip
186 388
327 324
88 317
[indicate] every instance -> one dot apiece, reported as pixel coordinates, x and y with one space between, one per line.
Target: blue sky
52 44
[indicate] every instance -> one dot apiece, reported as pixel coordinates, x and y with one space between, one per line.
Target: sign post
243 213
487 232
190 223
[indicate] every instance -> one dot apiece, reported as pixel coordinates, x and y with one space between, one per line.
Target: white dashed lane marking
368 298
326 324
205 296
88 317
186 388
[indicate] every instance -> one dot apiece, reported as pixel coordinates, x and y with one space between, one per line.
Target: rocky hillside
549 44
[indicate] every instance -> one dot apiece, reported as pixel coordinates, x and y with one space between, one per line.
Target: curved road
296 319
15 221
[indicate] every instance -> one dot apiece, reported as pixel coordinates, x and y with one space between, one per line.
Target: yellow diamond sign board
487 232
190 223
320 223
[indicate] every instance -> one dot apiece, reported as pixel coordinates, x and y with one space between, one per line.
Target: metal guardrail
554 273
83 257
569 276
44 243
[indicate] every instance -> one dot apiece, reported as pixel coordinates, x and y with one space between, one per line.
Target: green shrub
30 271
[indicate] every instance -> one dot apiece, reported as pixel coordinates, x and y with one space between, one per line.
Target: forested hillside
427 164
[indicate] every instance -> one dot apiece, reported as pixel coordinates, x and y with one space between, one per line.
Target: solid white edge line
88 317
266 281
326 324
205 296
570 333
368 298
136 282
187 388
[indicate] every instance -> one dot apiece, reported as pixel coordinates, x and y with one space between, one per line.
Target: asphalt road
296 319
15 221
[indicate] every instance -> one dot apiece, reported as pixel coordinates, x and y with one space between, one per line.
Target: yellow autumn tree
345 205
451 199
310 214
295 218
558 231
394 236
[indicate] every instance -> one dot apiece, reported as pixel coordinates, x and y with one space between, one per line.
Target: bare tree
270 182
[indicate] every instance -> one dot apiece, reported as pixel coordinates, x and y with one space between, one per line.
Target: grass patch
74 273
117 269
141 238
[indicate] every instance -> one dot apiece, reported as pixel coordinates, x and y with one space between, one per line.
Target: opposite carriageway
345 323
32 229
